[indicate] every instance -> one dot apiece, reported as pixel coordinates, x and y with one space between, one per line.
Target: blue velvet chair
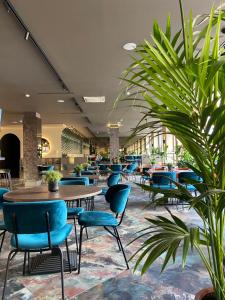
113 179
162 181
116 168
183 176
103 169
44 169
129 170
35 227
2 224
73 212
117 196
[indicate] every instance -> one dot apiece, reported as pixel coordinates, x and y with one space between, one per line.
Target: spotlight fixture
129 46
27 35
27 95
60 101
98 99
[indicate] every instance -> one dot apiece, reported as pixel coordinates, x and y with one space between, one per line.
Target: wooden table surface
41 193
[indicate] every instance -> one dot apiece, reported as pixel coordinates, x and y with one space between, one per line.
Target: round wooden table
41 193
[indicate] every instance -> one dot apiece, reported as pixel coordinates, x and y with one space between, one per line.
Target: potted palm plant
181 78
53 178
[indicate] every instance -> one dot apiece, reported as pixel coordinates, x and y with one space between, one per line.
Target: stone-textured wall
31 140
114 142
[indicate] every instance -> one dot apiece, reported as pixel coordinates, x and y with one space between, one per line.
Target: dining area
38 221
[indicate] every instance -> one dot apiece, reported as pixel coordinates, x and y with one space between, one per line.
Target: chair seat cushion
74 211
40 240
164 186
190 187
2 225
97 218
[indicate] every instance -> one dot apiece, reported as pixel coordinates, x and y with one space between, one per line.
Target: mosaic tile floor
103 272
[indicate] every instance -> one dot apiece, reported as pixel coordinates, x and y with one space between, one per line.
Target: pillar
114 143
31 144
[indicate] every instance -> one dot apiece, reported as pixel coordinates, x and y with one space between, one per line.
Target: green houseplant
181 79
52 178
78 169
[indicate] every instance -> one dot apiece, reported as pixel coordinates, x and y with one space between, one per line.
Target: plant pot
53 186
79 174
205 294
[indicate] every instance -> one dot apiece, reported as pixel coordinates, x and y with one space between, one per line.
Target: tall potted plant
181 77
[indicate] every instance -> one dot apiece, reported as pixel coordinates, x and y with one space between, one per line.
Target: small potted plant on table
52 178
78 169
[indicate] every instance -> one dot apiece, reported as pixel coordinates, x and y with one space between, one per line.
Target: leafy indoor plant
181 79
52 178
78 169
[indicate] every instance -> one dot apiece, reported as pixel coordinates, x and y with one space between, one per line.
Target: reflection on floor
103 272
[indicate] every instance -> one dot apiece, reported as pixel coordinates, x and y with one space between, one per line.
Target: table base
50 263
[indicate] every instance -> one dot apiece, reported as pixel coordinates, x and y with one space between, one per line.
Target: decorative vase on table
53 186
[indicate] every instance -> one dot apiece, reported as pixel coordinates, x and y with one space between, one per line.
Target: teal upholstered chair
130 169
113 179
73 212
116 167
117 196
163 181
183 178
2 224
35 227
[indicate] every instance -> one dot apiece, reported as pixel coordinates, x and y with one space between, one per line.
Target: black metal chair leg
75 231
2 241
24 262
121 246
68 255
117 239
86 233
80 247
6 272
62 270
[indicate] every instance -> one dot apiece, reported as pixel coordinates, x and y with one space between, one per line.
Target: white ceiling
83 40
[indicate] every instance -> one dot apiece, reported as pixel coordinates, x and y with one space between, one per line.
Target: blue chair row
2 223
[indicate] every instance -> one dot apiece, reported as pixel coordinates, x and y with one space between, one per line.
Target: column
114 143
31 141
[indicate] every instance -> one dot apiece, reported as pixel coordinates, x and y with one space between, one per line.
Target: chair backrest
31 217
116 167
163 178
2 192
5 178
133 166
102 167
113 179
188 175
80 181
145 171
117 196
87 172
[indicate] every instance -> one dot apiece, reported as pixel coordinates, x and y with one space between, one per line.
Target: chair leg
121 246
24 262
80 247
75 231
117 239
6 272
2 241
86 233
68 255
62 270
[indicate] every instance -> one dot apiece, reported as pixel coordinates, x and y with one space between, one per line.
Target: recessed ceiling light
21 121
27 95
60 100
129 46
100 99
14 122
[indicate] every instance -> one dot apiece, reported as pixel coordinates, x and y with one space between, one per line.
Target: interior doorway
10 149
